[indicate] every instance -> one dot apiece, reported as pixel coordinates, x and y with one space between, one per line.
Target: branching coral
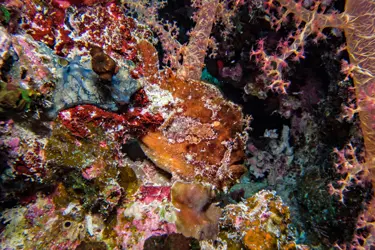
308 23
357 23
359 45
353 171
193 54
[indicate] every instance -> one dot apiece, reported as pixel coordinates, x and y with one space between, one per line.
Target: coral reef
62 82
150 214
126 124
15 100
55 222
87 140
260 223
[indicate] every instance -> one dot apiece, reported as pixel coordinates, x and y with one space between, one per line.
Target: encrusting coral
261 222
146 214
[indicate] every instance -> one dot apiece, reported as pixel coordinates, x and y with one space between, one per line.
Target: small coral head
102 64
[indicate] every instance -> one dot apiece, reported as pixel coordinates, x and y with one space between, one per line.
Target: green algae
16 99
4 13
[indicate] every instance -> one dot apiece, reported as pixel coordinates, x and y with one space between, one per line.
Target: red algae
79 119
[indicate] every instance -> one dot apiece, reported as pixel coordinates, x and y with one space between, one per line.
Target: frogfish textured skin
201 139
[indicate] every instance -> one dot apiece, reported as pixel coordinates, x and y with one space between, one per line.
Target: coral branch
308 23
352 170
